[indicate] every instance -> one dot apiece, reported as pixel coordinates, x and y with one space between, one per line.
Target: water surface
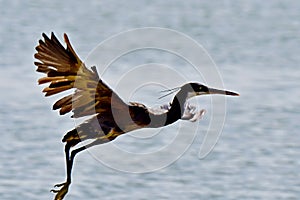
256 47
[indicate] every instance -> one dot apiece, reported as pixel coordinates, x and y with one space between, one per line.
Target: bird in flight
109 115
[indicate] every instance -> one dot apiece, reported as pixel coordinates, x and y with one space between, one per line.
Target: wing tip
66 38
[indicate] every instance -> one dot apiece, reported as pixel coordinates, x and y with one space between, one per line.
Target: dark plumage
110 115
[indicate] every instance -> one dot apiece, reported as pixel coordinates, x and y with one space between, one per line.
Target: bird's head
195 89
179 109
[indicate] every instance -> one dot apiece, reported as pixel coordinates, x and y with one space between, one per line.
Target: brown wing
64 70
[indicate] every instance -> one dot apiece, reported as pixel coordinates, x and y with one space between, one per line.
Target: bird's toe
59 185
62 192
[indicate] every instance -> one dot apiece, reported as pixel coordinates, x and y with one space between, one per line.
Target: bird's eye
200 88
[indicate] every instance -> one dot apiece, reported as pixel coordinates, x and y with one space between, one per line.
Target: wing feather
64 71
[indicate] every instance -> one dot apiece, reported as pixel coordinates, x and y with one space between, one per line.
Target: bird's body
109 115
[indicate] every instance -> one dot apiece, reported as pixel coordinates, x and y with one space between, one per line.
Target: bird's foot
198 115
192 113
59 185
60 194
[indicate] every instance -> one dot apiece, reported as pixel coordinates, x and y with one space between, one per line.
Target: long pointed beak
224 92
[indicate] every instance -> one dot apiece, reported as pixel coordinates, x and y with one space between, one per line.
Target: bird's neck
175 112
177 108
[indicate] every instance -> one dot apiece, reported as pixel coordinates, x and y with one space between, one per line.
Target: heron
89 96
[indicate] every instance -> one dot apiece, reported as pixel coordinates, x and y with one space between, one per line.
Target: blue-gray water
256 47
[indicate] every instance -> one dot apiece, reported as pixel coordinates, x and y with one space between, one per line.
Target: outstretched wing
64 70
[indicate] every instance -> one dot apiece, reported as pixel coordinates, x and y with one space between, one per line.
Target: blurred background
255 45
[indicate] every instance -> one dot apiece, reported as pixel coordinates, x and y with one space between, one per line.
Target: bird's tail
72 137
90 129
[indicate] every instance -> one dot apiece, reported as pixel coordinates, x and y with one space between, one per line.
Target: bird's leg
74 152
65 186
69 159
69 162
67 156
